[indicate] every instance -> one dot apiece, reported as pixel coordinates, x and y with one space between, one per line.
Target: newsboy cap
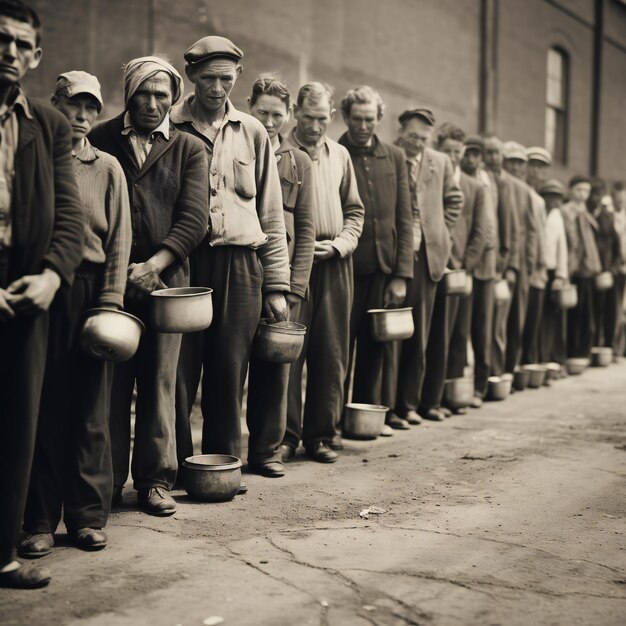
474 141
426 115
551 186
537 153
577 179
514 150
212 47
72 83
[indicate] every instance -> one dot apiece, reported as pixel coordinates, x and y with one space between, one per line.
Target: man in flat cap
243 258
436 200
166 173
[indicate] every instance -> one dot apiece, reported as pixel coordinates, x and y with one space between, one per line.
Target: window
557 104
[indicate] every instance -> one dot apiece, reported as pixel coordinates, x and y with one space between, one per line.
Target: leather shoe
286 452
37 545
413 418
156 501
335 443
397 422
476 402
321 453
387 431
25 577
88 538
271 469
434 415
461 411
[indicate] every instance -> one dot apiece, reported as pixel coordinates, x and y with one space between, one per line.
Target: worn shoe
413 418
321 453
462 411
387 431
89 539
397 422
156 501
272 469
35 546
286 452
476 402
25 577
434 415
335 443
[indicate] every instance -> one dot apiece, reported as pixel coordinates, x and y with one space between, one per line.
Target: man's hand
395 293
33 294
323 250
6 312
558 283
511 277
275 307
143 279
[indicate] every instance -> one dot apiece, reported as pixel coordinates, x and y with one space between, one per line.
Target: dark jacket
386 242
168 195
47 218
608 241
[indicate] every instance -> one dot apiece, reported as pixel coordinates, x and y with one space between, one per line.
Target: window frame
562 156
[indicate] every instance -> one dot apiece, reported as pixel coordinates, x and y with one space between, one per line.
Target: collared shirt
414 165
142 145
9 131
339 212
556 244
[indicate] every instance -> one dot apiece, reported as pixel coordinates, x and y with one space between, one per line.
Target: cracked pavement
510 515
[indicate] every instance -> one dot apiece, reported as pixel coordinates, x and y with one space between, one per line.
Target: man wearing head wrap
166 173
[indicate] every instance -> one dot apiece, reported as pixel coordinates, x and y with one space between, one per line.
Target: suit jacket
486 267
168 194
439 200
471 232
607 239
47 219
539 273
386 243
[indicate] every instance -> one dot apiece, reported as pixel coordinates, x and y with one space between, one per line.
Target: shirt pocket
245 183
289 187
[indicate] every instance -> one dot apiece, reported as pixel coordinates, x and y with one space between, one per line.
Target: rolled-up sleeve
353 211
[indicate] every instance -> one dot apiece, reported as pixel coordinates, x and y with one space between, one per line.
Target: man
472 234
41 244
166 175
539 161
481 302
338 219
383 260
619 204
436 202
244 259
72 470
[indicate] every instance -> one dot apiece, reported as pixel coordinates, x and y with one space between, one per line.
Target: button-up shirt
556 244
414 165
142 145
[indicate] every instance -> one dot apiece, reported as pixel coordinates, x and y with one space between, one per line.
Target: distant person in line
619 205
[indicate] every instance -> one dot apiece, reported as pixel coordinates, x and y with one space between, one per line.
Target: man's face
151 102
313 120
537 171
580 192
553 201
515 167
619 199
214 80
595 196
18 50
415 136
454 149
471 160
493 154
272 112
81 112
362 122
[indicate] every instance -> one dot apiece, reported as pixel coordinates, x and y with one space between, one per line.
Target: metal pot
576 366
601 357
181 309
391 324
501 290
212 477
455 282
110 335
278 342
537 375
499 387
553 371
363 421
458 392
520 379
603 281
566 297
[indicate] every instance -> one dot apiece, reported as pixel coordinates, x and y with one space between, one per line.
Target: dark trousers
407 361
532 327
457 352
72 468
616 315
581 324
553 334
23 343
326 315
607 311
367 356
515 323
501 311
443 319
483 306
222 351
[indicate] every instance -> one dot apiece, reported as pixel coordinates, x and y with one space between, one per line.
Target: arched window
557 103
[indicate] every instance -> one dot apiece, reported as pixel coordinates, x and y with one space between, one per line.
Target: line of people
189 191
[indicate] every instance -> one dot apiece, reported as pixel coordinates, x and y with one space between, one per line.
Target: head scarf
138 70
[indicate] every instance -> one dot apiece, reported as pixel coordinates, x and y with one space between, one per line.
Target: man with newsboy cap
243 257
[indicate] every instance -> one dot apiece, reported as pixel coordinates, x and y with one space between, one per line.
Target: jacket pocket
245 184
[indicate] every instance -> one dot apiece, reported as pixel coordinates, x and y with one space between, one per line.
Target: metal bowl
603 281
212 477
499 387
537 375
521 377
553 371
278 342
391 324
455 282
181 309
501 290
458 392
601 357
566 297
110 335
363 421
576 365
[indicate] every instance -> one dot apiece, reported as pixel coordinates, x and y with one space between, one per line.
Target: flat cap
426 115
537 153
72 83
514 150
212 47
578 179
551 186
474 141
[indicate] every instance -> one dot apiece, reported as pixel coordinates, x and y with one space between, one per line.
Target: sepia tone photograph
312 312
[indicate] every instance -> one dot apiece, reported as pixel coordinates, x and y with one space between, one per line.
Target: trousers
515 323
553 333
483 307
532 327
581 323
